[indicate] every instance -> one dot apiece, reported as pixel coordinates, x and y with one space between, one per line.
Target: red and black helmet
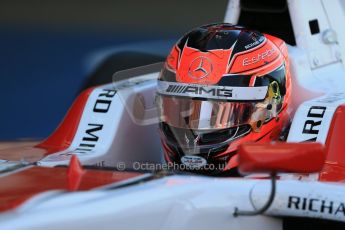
222 85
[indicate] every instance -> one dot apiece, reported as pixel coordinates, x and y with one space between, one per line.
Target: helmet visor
184 112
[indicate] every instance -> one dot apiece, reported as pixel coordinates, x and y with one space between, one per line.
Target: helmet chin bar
238 212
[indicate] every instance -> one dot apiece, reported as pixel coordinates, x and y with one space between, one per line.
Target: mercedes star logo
200 68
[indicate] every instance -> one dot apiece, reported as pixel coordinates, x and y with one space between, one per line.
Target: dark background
48 48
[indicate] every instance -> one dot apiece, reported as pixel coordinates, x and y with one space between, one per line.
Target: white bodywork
191 202
179 202
123 122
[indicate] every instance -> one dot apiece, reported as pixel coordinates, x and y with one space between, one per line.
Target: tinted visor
229 104
199 114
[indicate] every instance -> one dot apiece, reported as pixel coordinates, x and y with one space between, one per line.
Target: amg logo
312 125
316 205
199 90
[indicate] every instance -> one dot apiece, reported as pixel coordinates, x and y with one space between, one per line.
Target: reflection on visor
197 114
219 107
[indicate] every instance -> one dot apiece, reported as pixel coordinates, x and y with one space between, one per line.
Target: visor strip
212 91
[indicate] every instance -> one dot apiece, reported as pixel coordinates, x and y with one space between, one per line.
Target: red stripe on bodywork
334 169
17 188
63 136
60 140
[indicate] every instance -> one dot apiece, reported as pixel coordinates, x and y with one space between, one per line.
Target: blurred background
51 50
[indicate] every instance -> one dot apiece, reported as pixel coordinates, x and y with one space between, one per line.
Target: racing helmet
221 85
